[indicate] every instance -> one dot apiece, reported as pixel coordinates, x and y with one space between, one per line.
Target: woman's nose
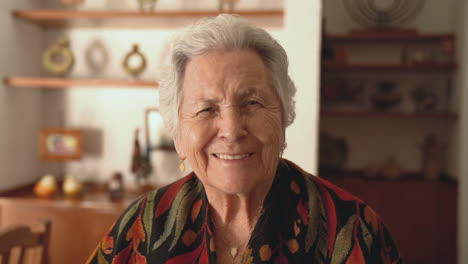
232 125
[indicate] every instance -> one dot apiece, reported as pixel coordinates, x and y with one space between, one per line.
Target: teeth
232 157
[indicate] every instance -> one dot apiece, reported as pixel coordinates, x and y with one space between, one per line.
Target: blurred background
379 108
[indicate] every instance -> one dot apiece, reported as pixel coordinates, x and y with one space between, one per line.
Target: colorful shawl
305 220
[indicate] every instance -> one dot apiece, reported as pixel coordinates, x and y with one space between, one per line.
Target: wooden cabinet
422 216
77 225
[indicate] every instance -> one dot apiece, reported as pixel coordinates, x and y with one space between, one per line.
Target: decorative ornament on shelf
383 14
433 153
71 187
386 96
72 4
147 5
46 187
230 4
96 56
115 186
333 154
134 62
141 163
424 98
58 58
390 169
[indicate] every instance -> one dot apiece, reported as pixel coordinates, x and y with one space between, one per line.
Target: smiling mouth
232 157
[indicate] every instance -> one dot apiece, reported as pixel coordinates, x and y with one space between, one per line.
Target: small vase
147 5
72 4
96 57
230 4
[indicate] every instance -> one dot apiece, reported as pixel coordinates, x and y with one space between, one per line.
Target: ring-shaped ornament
60 50
135 70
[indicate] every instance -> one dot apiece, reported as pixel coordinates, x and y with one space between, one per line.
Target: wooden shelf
54 82
391 67
61 18
390 115
391 37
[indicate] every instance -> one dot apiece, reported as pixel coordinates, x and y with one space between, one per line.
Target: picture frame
60 144
157 137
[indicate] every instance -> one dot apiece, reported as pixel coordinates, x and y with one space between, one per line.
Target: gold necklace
234 251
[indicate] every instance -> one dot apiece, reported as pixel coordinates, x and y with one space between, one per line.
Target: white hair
224 32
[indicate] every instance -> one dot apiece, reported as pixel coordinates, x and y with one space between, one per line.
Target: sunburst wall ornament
383 14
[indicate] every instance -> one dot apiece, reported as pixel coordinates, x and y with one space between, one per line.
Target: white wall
20 109
113 114
301 38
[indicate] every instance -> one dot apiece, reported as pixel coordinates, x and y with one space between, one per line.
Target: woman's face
230 121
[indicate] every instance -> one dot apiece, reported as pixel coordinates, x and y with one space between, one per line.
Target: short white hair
223 32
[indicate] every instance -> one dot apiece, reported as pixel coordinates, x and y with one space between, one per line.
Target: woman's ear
180 150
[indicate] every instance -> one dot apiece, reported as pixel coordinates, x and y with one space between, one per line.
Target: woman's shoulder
161 199
349 220
324 187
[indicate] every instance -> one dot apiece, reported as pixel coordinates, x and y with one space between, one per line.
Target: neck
237 208
232 237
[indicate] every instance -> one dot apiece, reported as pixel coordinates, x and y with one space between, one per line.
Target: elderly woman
228 99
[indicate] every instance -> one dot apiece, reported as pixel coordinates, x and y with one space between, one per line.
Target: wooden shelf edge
56 19
50 14
390 115
391 37
401 67
55 82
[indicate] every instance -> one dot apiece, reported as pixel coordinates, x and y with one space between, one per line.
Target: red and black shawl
305 220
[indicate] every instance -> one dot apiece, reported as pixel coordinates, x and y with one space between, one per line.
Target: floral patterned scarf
305 220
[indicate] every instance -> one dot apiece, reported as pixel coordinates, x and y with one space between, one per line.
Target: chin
235 183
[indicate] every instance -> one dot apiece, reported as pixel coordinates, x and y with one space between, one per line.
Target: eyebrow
205 100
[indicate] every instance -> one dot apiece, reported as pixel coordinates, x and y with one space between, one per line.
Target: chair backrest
22 237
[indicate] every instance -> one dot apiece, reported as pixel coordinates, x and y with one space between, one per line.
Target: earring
182 166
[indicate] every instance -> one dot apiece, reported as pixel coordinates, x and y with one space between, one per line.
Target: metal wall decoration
383 14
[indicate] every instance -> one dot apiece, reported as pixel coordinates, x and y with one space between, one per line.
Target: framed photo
157 137
60 144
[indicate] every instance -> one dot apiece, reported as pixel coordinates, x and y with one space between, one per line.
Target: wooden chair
22 237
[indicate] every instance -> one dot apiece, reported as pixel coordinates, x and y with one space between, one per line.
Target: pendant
234 252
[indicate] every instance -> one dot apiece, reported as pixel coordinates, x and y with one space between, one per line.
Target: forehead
219 73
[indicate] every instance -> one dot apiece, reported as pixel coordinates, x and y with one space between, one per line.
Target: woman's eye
207 110
252 102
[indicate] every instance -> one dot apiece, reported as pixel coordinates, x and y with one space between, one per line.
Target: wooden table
77 225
